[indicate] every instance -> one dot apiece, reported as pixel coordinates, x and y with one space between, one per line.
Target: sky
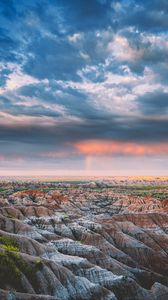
83 87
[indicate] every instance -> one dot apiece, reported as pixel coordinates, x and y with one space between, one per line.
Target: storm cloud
74 72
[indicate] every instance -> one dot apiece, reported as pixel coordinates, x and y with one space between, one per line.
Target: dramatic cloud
80 79
154 103
113 147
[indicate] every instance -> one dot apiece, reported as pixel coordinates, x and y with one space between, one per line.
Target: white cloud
75 37
17 78
118 92
120 48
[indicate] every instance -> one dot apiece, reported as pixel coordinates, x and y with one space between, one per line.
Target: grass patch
10 248
9 242
2 190
10 273
13 265
149 187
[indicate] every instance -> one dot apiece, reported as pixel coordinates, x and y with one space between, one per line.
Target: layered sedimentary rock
66 248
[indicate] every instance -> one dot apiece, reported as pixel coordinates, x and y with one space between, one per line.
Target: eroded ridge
83 241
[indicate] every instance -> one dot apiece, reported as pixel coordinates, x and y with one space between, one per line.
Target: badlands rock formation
56 246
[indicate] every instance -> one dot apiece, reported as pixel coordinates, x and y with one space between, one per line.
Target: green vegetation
10 273
160 192
148 187
12 265
9 242
2 190
10 248
38 264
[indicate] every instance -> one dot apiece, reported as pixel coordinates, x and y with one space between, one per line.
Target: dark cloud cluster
61 61
39 31
140 130
155 103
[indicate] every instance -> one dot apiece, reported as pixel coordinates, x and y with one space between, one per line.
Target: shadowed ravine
62 245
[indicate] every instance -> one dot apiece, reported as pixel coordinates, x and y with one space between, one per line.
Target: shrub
10 248
8 241
12 265
38 264
9 272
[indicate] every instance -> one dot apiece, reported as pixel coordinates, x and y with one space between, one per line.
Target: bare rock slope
63 249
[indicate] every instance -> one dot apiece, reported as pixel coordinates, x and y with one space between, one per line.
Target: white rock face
78 249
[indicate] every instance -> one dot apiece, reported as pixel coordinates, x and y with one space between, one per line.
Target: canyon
88 240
